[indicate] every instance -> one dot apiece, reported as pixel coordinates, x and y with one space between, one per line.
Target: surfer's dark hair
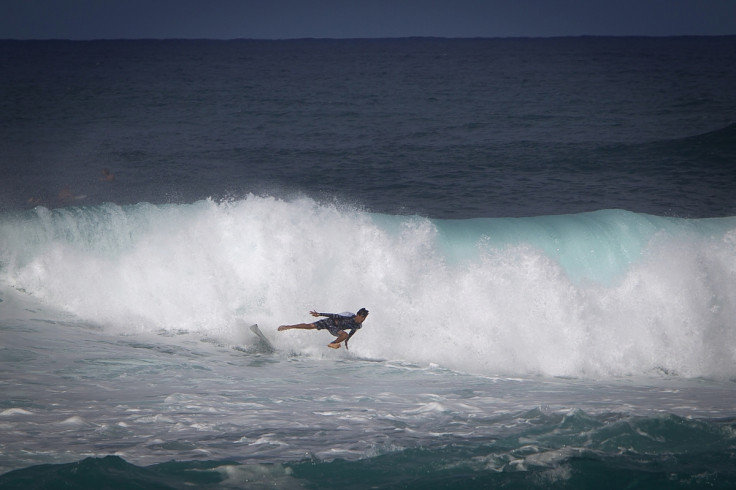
362 312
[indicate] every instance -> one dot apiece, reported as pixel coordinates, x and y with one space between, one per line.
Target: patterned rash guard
334 323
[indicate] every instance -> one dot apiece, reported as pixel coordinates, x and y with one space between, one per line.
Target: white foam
74 421
12 412
510 304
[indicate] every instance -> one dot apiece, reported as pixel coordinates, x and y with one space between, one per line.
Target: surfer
107 176
335 324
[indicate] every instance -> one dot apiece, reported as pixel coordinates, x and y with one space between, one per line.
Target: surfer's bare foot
283 327
334 345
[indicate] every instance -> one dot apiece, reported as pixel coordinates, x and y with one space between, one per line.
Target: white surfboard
262 338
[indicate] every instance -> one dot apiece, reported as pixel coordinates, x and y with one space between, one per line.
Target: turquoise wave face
598 246
608 292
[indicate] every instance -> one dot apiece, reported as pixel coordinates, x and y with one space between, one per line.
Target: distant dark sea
448 128
544 231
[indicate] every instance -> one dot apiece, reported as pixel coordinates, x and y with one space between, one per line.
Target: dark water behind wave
444 128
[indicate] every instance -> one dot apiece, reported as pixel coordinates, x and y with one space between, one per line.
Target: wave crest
603 293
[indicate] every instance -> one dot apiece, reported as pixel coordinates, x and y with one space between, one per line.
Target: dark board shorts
327 324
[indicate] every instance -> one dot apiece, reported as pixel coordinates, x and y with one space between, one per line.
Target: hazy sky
281 19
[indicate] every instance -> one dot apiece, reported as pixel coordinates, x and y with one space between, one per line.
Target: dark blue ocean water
442 128
544 231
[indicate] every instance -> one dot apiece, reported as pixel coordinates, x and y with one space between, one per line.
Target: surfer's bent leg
341 335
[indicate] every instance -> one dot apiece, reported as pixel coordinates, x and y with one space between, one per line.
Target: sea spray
603 293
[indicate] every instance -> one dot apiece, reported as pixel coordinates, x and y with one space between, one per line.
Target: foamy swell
607 293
